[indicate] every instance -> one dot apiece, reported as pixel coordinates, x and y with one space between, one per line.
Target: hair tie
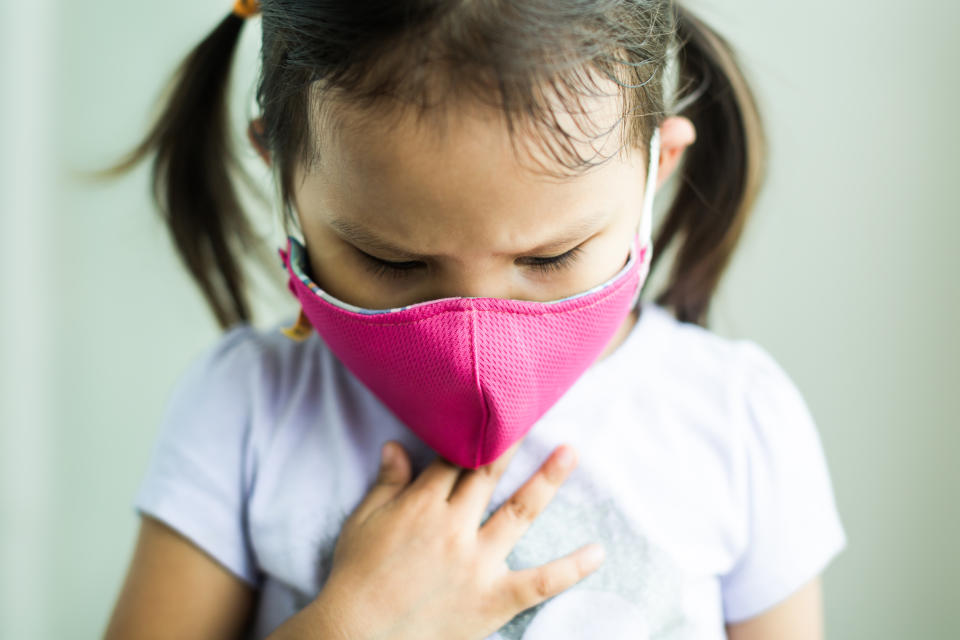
246 8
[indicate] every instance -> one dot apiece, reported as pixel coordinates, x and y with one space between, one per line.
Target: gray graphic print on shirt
635 593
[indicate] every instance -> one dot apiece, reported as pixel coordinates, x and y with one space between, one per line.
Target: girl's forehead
392 134
470 152
433 191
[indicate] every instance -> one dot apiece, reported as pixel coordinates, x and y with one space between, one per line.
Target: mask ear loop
646 215
649 189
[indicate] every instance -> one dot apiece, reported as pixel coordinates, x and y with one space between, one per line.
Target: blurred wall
847 275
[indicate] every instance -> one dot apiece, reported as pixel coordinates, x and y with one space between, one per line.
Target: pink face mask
471 376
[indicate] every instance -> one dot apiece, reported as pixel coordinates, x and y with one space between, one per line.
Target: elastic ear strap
650 188
646 221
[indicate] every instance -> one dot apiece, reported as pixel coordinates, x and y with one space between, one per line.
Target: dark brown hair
523 54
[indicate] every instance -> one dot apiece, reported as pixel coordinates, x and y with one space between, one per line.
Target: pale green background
847 275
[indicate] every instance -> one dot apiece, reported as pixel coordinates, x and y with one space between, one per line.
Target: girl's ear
676 134
256 134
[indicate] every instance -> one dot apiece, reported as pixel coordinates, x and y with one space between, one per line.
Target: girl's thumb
394 467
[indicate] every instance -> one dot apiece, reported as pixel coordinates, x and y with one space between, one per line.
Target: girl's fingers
392 477
472 493
529 587
506 526
437 479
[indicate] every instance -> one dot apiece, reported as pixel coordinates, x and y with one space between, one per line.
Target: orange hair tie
300 329
246 8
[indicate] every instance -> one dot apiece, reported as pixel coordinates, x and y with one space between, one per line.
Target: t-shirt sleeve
195 480
793 529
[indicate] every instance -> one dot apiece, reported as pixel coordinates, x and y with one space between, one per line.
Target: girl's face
397 214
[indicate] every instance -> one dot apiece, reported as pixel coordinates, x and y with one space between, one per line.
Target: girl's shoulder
685 352
222 413
737 387
236 386
733 394
267 359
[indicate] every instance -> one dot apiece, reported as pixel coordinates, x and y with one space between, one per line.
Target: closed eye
556 263
382 268
385 268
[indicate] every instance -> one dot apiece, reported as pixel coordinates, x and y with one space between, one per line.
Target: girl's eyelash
382 268
556 263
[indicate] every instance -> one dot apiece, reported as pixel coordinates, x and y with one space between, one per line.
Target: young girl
473 428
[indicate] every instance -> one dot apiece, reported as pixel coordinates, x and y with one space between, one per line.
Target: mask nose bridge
476 352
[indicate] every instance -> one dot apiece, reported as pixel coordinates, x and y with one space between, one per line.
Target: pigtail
722 171
191 173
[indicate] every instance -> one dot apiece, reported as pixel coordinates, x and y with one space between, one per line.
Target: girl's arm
799 617
175 590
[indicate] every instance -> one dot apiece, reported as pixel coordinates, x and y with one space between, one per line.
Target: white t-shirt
700 471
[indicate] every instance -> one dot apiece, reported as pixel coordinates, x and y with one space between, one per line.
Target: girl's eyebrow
360 235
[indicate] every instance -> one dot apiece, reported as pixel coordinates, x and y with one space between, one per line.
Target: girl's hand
413 562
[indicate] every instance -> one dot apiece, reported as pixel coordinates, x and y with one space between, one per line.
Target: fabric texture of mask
471 376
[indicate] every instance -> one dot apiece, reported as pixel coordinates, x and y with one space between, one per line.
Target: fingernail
565 456
594 554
